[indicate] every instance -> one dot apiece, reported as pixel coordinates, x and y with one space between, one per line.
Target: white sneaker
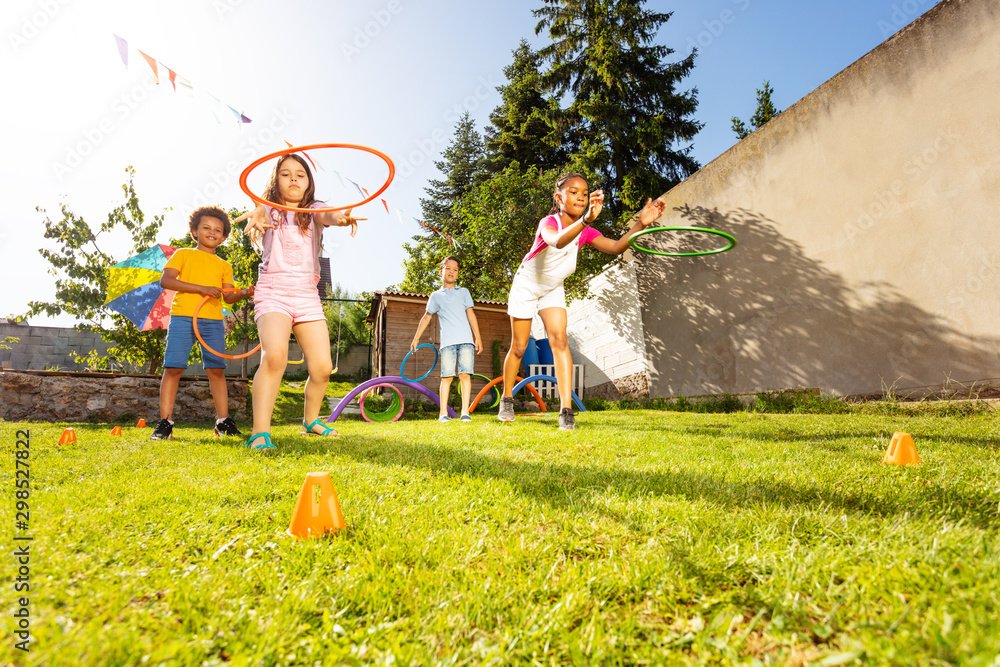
506 413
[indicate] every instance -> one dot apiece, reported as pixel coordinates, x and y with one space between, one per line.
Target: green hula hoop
705 230
494 389
391 414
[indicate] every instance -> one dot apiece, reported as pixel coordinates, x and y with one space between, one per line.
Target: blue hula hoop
402 373
520 385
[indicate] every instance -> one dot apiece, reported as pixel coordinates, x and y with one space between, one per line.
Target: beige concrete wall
866 214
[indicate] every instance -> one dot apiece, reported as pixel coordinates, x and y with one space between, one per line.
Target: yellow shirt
199 268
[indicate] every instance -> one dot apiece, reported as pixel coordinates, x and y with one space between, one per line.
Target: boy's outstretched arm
238 295
170 281
474 323
424 321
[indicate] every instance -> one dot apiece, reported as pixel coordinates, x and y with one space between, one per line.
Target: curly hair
213 212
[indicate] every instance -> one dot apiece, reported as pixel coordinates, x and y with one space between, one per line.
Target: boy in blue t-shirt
453 306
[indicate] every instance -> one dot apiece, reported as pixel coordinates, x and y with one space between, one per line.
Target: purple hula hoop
391 379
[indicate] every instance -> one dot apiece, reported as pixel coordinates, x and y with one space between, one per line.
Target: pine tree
765 112
461 166
624 103
520 129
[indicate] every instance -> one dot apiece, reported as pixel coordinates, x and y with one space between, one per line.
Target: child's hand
413 345
259 220
246 292
214 292
596 204
350 220
479 346
651 211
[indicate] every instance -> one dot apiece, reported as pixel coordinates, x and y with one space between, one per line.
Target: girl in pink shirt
286 298
538 282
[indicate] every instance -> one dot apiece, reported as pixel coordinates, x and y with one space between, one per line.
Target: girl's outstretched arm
649 214
339 219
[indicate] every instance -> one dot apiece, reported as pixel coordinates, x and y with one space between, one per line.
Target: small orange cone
117 430
901 450
315 513
141 424
68 436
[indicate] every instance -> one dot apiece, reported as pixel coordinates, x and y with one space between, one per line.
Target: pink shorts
297 297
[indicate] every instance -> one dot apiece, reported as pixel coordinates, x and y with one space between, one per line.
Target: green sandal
266 448
309 428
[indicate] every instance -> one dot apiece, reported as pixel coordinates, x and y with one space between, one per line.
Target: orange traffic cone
68 436
901 450
317 509
117 430
141 424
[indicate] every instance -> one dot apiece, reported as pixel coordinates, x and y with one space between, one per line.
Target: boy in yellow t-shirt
195 273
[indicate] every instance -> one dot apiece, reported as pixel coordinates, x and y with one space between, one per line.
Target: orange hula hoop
517 378
197 334
296 149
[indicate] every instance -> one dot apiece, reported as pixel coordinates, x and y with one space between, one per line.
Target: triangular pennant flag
186 87
399 214
355 185
173 78
244 119
366 192
239 116
152 66
215 105
122 49
339 178
386 207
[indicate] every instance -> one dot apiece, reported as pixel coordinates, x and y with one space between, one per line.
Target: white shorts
528 297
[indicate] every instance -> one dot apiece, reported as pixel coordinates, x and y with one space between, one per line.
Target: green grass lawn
644 537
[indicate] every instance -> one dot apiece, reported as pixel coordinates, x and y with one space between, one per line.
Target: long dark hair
271 192
560 184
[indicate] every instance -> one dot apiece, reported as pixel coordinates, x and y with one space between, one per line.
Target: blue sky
390 74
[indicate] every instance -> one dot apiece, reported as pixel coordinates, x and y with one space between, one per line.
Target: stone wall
630 386
68 398
605 335
42 348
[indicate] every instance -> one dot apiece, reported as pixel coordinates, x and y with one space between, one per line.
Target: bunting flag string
362 190
176 80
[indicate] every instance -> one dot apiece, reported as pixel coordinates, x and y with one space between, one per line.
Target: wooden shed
395 317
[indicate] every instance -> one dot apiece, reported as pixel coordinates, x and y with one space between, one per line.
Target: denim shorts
464 354
180 338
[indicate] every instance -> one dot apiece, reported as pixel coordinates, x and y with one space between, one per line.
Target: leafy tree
81 270
501 215
765 112
520 129
461 166
80 267
622 96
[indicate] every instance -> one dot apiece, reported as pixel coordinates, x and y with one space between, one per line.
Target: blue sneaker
466 418
444 418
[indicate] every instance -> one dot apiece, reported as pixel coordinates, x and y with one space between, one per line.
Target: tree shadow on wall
766 316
